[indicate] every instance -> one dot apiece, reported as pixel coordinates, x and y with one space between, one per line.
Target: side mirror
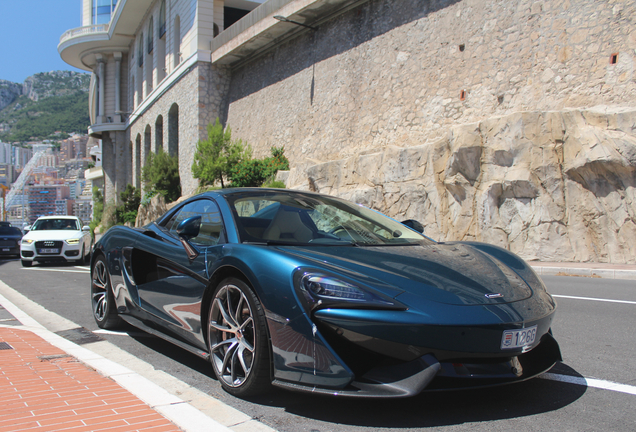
27 228
187 229
415 225
86 228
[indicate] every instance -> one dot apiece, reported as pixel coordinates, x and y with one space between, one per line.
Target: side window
211 231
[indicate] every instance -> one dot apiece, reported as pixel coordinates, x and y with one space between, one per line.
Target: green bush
255 172
216 155
98 209
161 175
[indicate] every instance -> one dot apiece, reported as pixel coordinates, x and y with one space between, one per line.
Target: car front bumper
57 250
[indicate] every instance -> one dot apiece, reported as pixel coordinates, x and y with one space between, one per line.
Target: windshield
55 224
297 218
8 230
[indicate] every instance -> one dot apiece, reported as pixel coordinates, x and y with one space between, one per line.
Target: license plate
518 338
49 251
5 249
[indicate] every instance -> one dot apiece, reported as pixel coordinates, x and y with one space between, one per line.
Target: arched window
173 130
162 19
150 60
151 35
159 134
177 41
146 149
137 162
140 51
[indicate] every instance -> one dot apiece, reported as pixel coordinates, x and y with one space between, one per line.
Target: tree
217 155
161 175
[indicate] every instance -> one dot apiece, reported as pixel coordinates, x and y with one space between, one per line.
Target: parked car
313 293
9 239
56 238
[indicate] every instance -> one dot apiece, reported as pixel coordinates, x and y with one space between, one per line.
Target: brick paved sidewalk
42 388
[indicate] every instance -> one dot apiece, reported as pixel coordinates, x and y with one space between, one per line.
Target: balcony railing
82 31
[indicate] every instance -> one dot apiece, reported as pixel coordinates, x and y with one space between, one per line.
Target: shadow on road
431 409
439 408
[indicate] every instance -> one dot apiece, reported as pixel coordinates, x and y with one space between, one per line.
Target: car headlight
27 241
72 241
319 290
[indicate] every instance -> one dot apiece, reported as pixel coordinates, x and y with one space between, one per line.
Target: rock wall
9 91
550 186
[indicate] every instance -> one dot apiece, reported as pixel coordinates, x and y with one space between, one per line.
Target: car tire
102 300
26 263
82 259
237 338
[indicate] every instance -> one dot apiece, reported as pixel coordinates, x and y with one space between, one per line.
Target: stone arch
177 41
173 130
158 134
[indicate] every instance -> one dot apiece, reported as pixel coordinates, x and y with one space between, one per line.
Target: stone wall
199 96
403 72
552 186
472 116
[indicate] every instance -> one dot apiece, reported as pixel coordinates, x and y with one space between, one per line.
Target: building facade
483 118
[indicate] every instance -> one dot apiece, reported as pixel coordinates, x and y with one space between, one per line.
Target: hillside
45 103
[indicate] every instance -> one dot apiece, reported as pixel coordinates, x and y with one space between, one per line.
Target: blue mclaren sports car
314 293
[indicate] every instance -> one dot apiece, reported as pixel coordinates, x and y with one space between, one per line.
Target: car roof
58 217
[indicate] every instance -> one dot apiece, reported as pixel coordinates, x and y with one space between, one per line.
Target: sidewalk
48 383
600 270
42 388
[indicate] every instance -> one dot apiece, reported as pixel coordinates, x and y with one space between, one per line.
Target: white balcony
83 31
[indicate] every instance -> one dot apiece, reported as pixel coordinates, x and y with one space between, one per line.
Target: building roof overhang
78 47
263 28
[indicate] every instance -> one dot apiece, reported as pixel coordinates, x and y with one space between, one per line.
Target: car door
170 282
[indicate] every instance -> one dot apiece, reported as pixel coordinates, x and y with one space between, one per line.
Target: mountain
45 103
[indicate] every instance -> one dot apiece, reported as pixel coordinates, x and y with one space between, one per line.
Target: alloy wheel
232 335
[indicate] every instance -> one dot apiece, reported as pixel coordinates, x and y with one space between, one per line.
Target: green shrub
255 172
127 211
161 175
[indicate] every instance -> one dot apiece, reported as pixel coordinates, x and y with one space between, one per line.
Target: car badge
494 295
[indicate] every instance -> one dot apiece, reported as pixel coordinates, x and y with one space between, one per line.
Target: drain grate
80 335
5 346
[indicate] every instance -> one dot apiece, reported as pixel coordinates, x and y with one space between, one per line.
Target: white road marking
55 270
591 382
595 299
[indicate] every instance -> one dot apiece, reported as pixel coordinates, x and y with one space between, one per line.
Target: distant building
64 207
42 200
7 174
83 209
73 148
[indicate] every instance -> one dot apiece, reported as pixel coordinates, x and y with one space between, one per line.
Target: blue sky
29 34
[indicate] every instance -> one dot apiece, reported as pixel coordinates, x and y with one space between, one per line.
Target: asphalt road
595 326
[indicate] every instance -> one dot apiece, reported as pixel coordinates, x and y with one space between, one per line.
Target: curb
175 409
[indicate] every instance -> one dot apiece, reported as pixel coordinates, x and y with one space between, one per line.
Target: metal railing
81 31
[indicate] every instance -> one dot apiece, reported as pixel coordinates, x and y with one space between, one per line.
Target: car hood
457 274
52 235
